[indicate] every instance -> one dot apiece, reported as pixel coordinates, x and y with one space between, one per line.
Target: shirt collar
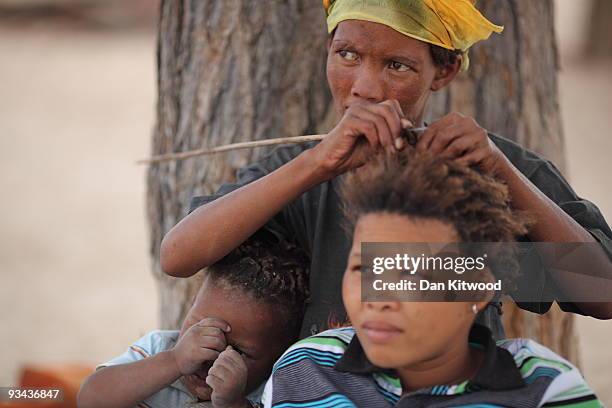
498 370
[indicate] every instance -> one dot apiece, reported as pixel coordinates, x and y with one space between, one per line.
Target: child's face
403 334
256 332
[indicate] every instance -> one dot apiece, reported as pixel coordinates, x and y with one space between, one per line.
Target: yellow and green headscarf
450 24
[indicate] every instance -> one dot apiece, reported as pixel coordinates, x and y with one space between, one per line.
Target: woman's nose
382 306
368 86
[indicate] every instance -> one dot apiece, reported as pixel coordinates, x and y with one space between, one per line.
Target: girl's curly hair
425 186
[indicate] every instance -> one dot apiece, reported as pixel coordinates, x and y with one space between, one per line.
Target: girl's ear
483 301
444 75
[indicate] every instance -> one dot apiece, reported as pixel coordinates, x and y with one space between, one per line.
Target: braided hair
269 271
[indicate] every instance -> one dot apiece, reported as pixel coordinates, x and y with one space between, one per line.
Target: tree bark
228 71
239 70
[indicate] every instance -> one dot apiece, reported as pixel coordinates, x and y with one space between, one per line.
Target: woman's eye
348 55
398 66
356 268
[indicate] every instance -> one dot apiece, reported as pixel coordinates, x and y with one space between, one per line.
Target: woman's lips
380 332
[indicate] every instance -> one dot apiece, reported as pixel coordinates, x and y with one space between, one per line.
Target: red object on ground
67 378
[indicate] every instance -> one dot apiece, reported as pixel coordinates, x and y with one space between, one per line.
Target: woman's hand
364 128
459 137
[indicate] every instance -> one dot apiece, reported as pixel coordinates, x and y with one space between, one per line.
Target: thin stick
228 147
235 146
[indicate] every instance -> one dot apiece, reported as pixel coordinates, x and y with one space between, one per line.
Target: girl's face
372 62
403 334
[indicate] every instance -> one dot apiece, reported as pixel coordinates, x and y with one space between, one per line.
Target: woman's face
403 334
372 62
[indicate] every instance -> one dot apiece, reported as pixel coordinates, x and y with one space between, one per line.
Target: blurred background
78 94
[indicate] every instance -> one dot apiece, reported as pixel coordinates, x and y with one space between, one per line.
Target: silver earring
475 308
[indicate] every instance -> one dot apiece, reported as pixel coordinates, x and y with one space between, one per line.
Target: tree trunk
228 71
599 38
240 70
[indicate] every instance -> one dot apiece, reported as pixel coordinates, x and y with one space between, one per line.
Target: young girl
422 354
247 312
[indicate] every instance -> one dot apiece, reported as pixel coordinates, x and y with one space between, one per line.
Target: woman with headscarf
385 59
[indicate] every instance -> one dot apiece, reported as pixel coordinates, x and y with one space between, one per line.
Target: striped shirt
331 370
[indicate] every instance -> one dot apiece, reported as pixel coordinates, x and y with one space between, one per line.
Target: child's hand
228 378
201 342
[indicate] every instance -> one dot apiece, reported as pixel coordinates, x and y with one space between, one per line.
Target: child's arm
124 385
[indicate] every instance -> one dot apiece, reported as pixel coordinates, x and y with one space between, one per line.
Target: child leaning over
423 354
246 313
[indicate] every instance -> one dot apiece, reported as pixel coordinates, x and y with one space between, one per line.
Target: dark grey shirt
315 221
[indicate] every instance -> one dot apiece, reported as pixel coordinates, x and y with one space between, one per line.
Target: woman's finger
400 142
443 137
474 157
394 103
392 112
426 139
361 126
449 120
374 115
461 146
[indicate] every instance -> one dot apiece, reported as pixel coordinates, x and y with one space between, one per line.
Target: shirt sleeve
289 223
549 180
570 390
567 387
148 345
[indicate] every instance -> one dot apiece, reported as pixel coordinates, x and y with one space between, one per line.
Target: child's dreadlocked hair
422 185
271 271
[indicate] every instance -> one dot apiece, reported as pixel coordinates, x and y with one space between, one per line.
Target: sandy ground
76 112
